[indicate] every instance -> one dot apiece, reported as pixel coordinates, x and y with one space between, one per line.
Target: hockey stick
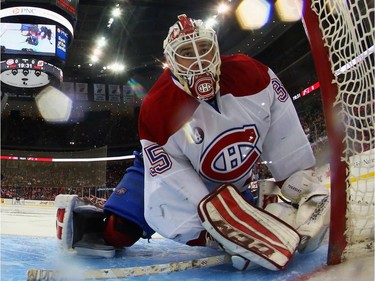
50 274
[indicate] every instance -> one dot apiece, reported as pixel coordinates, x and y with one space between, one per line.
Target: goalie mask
192 52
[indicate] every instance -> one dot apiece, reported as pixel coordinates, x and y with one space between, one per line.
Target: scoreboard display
29 73
34 39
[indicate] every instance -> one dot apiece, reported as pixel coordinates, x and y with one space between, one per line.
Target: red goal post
341 36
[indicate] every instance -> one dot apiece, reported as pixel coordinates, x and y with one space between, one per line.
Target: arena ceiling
136 40
136 37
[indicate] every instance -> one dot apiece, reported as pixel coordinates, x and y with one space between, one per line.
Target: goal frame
339 169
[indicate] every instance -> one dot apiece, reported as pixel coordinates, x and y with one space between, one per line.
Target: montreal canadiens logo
203 86
231 155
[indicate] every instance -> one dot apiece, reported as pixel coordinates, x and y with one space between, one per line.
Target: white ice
39 221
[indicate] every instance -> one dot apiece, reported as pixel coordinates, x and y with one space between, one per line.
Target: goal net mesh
347 27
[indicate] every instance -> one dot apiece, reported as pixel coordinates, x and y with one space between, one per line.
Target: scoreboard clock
29 73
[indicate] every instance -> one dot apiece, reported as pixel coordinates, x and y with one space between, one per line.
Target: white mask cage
192 49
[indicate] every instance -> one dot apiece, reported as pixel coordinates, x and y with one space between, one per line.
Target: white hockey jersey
190 147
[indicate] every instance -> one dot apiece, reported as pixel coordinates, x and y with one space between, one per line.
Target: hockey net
341 35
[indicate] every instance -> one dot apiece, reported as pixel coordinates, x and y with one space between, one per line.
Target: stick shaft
48 274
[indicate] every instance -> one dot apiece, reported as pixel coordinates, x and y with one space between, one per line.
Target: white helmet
192 52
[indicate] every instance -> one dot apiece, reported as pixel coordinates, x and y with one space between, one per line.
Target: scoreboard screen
25 38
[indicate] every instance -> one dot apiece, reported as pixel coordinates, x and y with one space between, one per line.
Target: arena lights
95 57
211 22
116 67
102 42
116 12
289 10
253 14
97 52
222 8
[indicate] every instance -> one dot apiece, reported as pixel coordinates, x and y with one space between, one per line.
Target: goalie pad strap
245 230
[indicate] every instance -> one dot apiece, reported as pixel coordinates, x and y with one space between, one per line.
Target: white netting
348 33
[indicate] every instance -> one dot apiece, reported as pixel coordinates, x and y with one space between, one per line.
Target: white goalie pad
77 227
246 230
313 201
313 219
65 204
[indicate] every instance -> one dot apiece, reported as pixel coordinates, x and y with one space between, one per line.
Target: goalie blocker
246 231
268 237
99 227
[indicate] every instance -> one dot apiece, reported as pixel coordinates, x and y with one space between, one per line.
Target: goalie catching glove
246 232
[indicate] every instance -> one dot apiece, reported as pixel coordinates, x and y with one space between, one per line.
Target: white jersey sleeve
286 147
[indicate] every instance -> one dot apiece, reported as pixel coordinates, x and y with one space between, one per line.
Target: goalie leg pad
245 230
65 204
311 220
283 211
80 226
312 223
313 215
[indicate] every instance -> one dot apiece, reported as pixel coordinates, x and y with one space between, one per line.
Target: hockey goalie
251 235
203 126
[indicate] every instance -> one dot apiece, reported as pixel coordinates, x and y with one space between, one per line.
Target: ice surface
28 241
